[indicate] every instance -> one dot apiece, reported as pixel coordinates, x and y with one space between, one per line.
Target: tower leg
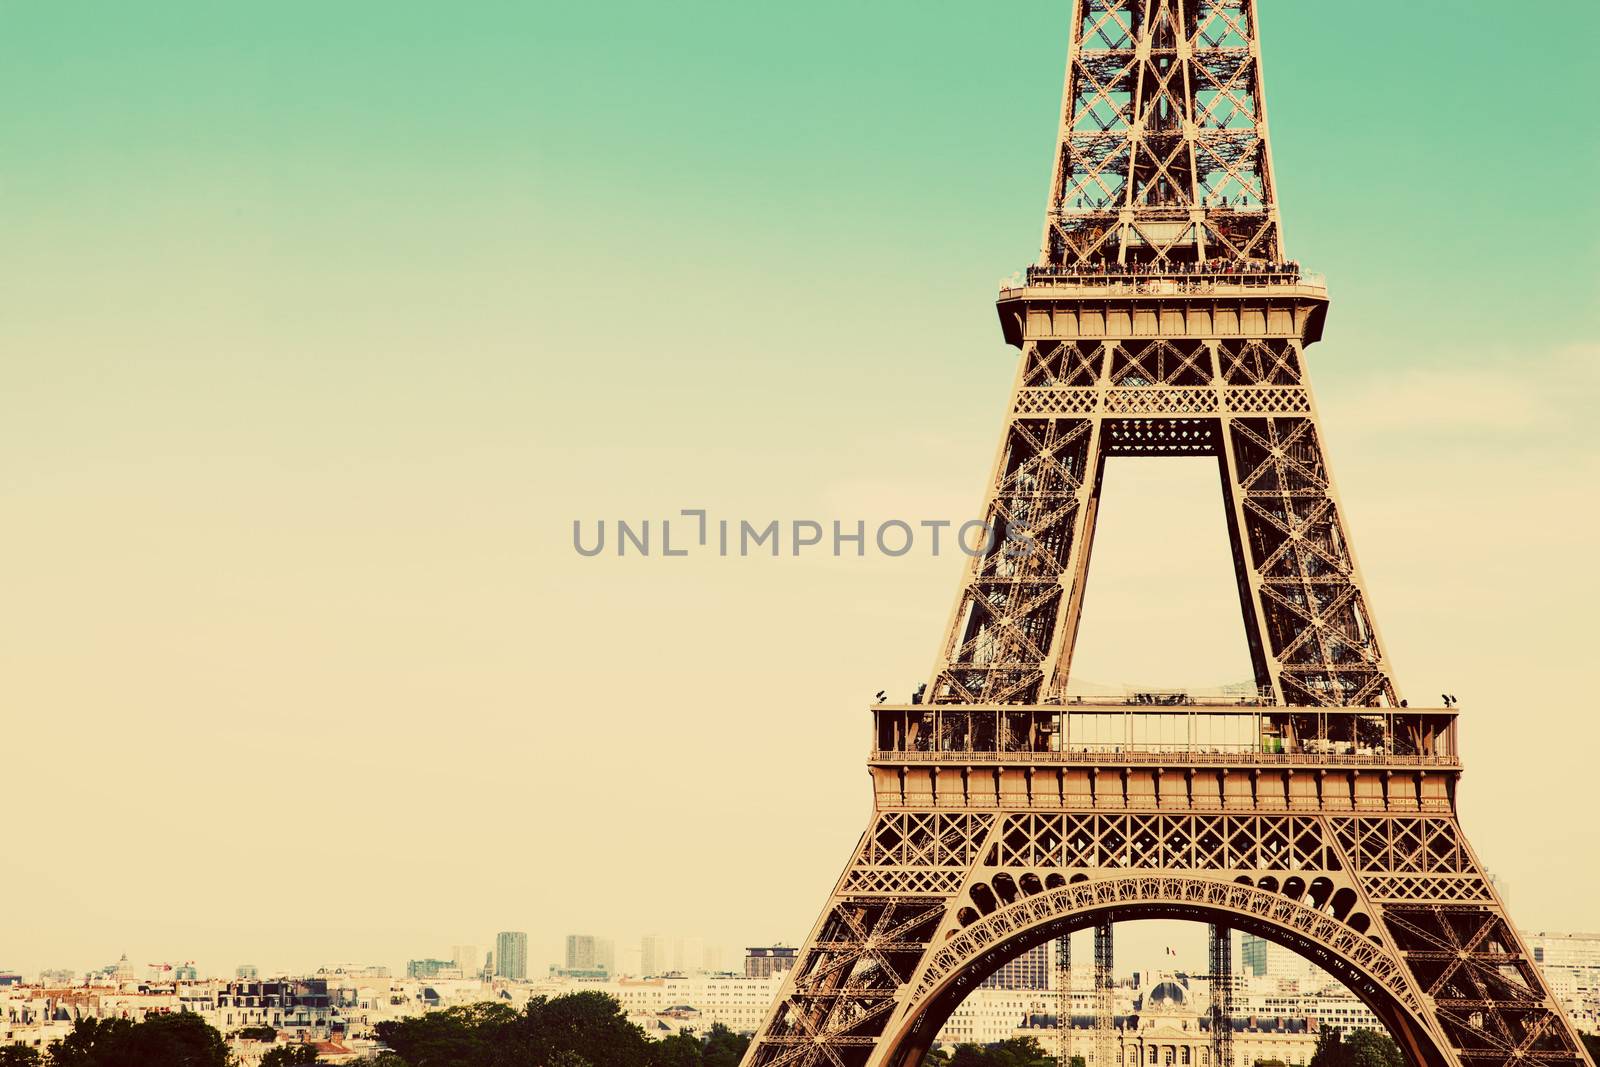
1104 995
1221 938
1064 1001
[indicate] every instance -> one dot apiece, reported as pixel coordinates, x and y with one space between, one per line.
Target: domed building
1167 995
1169 1025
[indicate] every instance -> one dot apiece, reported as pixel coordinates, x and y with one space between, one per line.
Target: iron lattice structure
1163 154
1220 939
1063 962
1315 809
1104 992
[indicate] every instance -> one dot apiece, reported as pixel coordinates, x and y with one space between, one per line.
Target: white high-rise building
1327 1000
1260 958
660 955
511 955
585 952
652 950
467 958
1570 964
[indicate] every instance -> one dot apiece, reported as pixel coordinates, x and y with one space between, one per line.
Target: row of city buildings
1281 1003
338 1009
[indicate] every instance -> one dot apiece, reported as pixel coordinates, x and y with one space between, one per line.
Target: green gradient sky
319 323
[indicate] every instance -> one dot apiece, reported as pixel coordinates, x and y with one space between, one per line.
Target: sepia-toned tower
1315 807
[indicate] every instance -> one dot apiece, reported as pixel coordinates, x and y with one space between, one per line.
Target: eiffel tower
1314 808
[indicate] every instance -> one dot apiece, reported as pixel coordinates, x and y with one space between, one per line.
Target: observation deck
1241 731
1249 293
1288 277
1164 750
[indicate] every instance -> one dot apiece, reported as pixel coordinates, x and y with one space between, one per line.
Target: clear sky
321 323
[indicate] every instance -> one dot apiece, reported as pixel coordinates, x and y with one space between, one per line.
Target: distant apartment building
246 970
511 955
467 958
1031 970
589 954
989 1015
299 1008
1321 998
1570 964
660 955
432 969
663 1006
655 954
766 962
1261 958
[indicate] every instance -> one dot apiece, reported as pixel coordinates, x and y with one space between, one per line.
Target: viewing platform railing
1164 755
1138 732
1164 282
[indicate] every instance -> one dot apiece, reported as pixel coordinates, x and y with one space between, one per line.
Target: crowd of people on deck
1273 271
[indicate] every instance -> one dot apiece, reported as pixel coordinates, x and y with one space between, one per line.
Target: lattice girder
1311 634
1162 155
1451 979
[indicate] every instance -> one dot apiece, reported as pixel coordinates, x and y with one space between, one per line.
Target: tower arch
969 954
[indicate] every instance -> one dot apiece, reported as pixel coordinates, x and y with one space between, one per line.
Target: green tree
566 1059
1364 1048
577 1030
589 1024
181 1040
679 1050
463 1036
1370 1049
258 1033
1019 1052
723 1047
78 1047
969 1055
1591 1042
289 1056
19 1056
1331 1051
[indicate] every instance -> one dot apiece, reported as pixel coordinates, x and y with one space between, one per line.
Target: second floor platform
1167 729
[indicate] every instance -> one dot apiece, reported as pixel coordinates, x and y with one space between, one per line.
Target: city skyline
305 360
1144 946
1021 998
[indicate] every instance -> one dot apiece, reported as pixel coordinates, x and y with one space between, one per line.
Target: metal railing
1163 282
1159 755
1263 697
1146 726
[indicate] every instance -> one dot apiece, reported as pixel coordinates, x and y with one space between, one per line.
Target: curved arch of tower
1334 944
1314 807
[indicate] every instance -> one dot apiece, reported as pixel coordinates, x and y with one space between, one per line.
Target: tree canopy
1012 1052
1363 1048
289 1056
577 1030
181 1040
